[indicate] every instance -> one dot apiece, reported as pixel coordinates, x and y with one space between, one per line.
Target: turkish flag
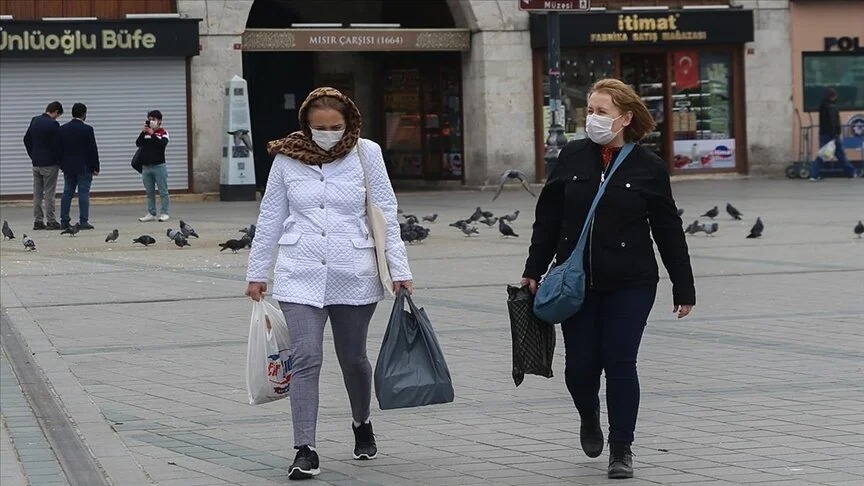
686 70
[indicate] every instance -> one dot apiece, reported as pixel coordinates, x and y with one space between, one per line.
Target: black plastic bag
411 371
533 339
136 161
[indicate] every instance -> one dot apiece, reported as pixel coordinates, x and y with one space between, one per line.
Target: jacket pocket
289 239
286 262
365 261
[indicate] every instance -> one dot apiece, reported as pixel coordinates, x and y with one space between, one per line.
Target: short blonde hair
626 100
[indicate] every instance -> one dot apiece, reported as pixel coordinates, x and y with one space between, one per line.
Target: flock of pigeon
413 232
709 229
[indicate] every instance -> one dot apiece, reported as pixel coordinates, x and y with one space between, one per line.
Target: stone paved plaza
145 350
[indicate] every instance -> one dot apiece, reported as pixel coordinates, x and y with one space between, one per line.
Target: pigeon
430 217
710 230
145 240
460 224
411 219
180 241
29 244
490 222
246 241
859 229
505 229
7 231
233 245
513 175
72 230
694 228
510 217
478 213
250 231
736 215
756 230
470 230
488 214
680 212
241 137
172 234
112 236
712 213
187 230
414 233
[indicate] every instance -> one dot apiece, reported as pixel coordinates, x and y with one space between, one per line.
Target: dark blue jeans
71 182
605 335
840 153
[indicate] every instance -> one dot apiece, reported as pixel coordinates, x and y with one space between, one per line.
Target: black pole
556 140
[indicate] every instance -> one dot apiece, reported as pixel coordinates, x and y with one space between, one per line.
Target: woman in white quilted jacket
314 212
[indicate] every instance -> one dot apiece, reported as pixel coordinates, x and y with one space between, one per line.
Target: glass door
646 73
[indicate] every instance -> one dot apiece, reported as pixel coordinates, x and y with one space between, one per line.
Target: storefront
120 69
406 82
828 53
688 66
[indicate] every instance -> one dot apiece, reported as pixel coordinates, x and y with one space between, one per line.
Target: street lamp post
556 139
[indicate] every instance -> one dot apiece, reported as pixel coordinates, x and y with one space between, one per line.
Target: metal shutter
118 94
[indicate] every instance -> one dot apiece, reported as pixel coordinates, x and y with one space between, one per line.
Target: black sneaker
52 225
591 434
620 461
364 442
38 225
85 226
305 464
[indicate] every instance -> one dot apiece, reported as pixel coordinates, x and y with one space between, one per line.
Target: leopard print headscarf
299 145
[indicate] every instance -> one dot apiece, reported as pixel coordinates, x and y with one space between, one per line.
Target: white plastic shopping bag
268 363
827 151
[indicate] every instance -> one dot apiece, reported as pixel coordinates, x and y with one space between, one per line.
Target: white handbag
378 228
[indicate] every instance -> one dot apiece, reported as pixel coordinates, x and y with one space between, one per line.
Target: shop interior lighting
374 26
316 26
704 7
153 16
598 9
67 19
6 17
646 8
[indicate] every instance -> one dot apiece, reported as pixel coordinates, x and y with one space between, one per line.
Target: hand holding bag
268 358
378 228
562 290
411 371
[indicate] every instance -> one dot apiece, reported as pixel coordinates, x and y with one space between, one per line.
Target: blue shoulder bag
562 290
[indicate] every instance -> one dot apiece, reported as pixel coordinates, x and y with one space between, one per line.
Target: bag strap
363 167
583 237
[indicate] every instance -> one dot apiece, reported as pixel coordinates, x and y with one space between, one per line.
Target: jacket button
323 233
623 245
575 178
322 178
627 185
323 262
321 206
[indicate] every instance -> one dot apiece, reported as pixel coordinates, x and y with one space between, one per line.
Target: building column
220 29
497 87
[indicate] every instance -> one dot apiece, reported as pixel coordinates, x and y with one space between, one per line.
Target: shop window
579 70
702 110
842 71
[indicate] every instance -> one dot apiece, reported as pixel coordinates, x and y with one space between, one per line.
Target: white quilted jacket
317 218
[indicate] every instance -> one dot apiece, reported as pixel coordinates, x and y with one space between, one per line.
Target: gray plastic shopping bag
411 371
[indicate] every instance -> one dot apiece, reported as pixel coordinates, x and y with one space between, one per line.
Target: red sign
554 5
686 70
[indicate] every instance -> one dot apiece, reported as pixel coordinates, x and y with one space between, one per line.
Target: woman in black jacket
621 271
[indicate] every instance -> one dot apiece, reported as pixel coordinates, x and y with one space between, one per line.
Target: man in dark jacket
79 160
154 172
829 130
42 147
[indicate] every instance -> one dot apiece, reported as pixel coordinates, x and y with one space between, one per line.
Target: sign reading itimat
554 5
126 38
649 28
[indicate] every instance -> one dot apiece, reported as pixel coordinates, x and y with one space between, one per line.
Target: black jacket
78 152
619 253
153 147
41 141
829 119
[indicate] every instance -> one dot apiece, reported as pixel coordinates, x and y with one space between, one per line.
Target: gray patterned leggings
350 325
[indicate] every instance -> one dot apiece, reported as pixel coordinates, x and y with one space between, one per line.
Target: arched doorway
410 98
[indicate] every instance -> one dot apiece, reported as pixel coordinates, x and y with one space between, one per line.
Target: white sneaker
148 217
163 218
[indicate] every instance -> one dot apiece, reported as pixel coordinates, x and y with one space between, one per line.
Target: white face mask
327 139
599 128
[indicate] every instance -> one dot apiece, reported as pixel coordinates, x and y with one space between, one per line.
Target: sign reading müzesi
554 5
162 37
